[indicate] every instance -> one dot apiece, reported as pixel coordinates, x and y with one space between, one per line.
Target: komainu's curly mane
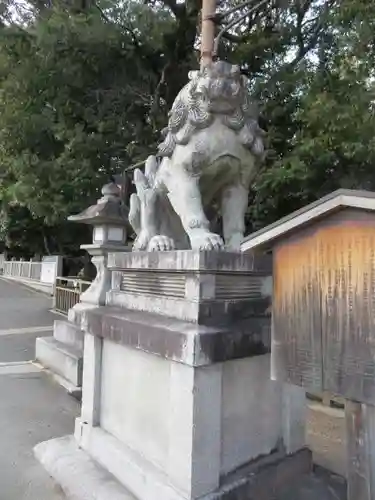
198 104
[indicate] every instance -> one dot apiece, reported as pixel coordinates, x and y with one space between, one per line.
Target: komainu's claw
161 244
206 241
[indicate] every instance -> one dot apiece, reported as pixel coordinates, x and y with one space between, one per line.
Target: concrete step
68 333
82 478
60 358
79 476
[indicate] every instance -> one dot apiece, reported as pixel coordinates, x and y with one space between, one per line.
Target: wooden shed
323 306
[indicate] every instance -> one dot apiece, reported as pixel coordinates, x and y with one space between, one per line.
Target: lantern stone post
62 353
108 219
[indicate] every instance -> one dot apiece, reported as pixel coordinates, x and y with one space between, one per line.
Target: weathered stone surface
207 288
83 478
108 210
97 291
109 220
63 359
62 354
191 260
79 476
209 313
173 339
68 333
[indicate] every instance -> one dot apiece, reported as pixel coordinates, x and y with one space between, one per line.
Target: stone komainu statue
210 155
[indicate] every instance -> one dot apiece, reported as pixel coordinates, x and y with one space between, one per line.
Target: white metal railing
22 269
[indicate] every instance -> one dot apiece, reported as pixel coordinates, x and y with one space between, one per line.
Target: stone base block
68 333
79 476
82 478
177 403
62 359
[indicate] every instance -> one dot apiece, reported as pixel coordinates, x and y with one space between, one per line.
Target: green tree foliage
74 108
327 142
73 99
21 233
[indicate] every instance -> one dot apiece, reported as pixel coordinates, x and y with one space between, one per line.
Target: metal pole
208 31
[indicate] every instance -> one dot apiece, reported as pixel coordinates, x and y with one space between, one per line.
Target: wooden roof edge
264 238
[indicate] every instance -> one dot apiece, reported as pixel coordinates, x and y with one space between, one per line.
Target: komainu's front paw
161 244
142 241
206 241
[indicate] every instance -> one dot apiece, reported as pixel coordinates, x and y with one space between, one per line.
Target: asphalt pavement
33 408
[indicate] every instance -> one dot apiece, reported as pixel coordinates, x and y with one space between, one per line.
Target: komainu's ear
192 75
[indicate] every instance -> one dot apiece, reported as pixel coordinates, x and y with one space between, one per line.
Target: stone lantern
109 219
62 354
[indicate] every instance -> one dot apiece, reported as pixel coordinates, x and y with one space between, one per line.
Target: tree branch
125 28
235 38
305 46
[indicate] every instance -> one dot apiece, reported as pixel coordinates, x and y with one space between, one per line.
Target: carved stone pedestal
177 401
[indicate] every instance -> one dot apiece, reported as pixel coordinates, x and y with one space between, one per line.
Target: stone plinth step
68 333
62 359
83 478
79 476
